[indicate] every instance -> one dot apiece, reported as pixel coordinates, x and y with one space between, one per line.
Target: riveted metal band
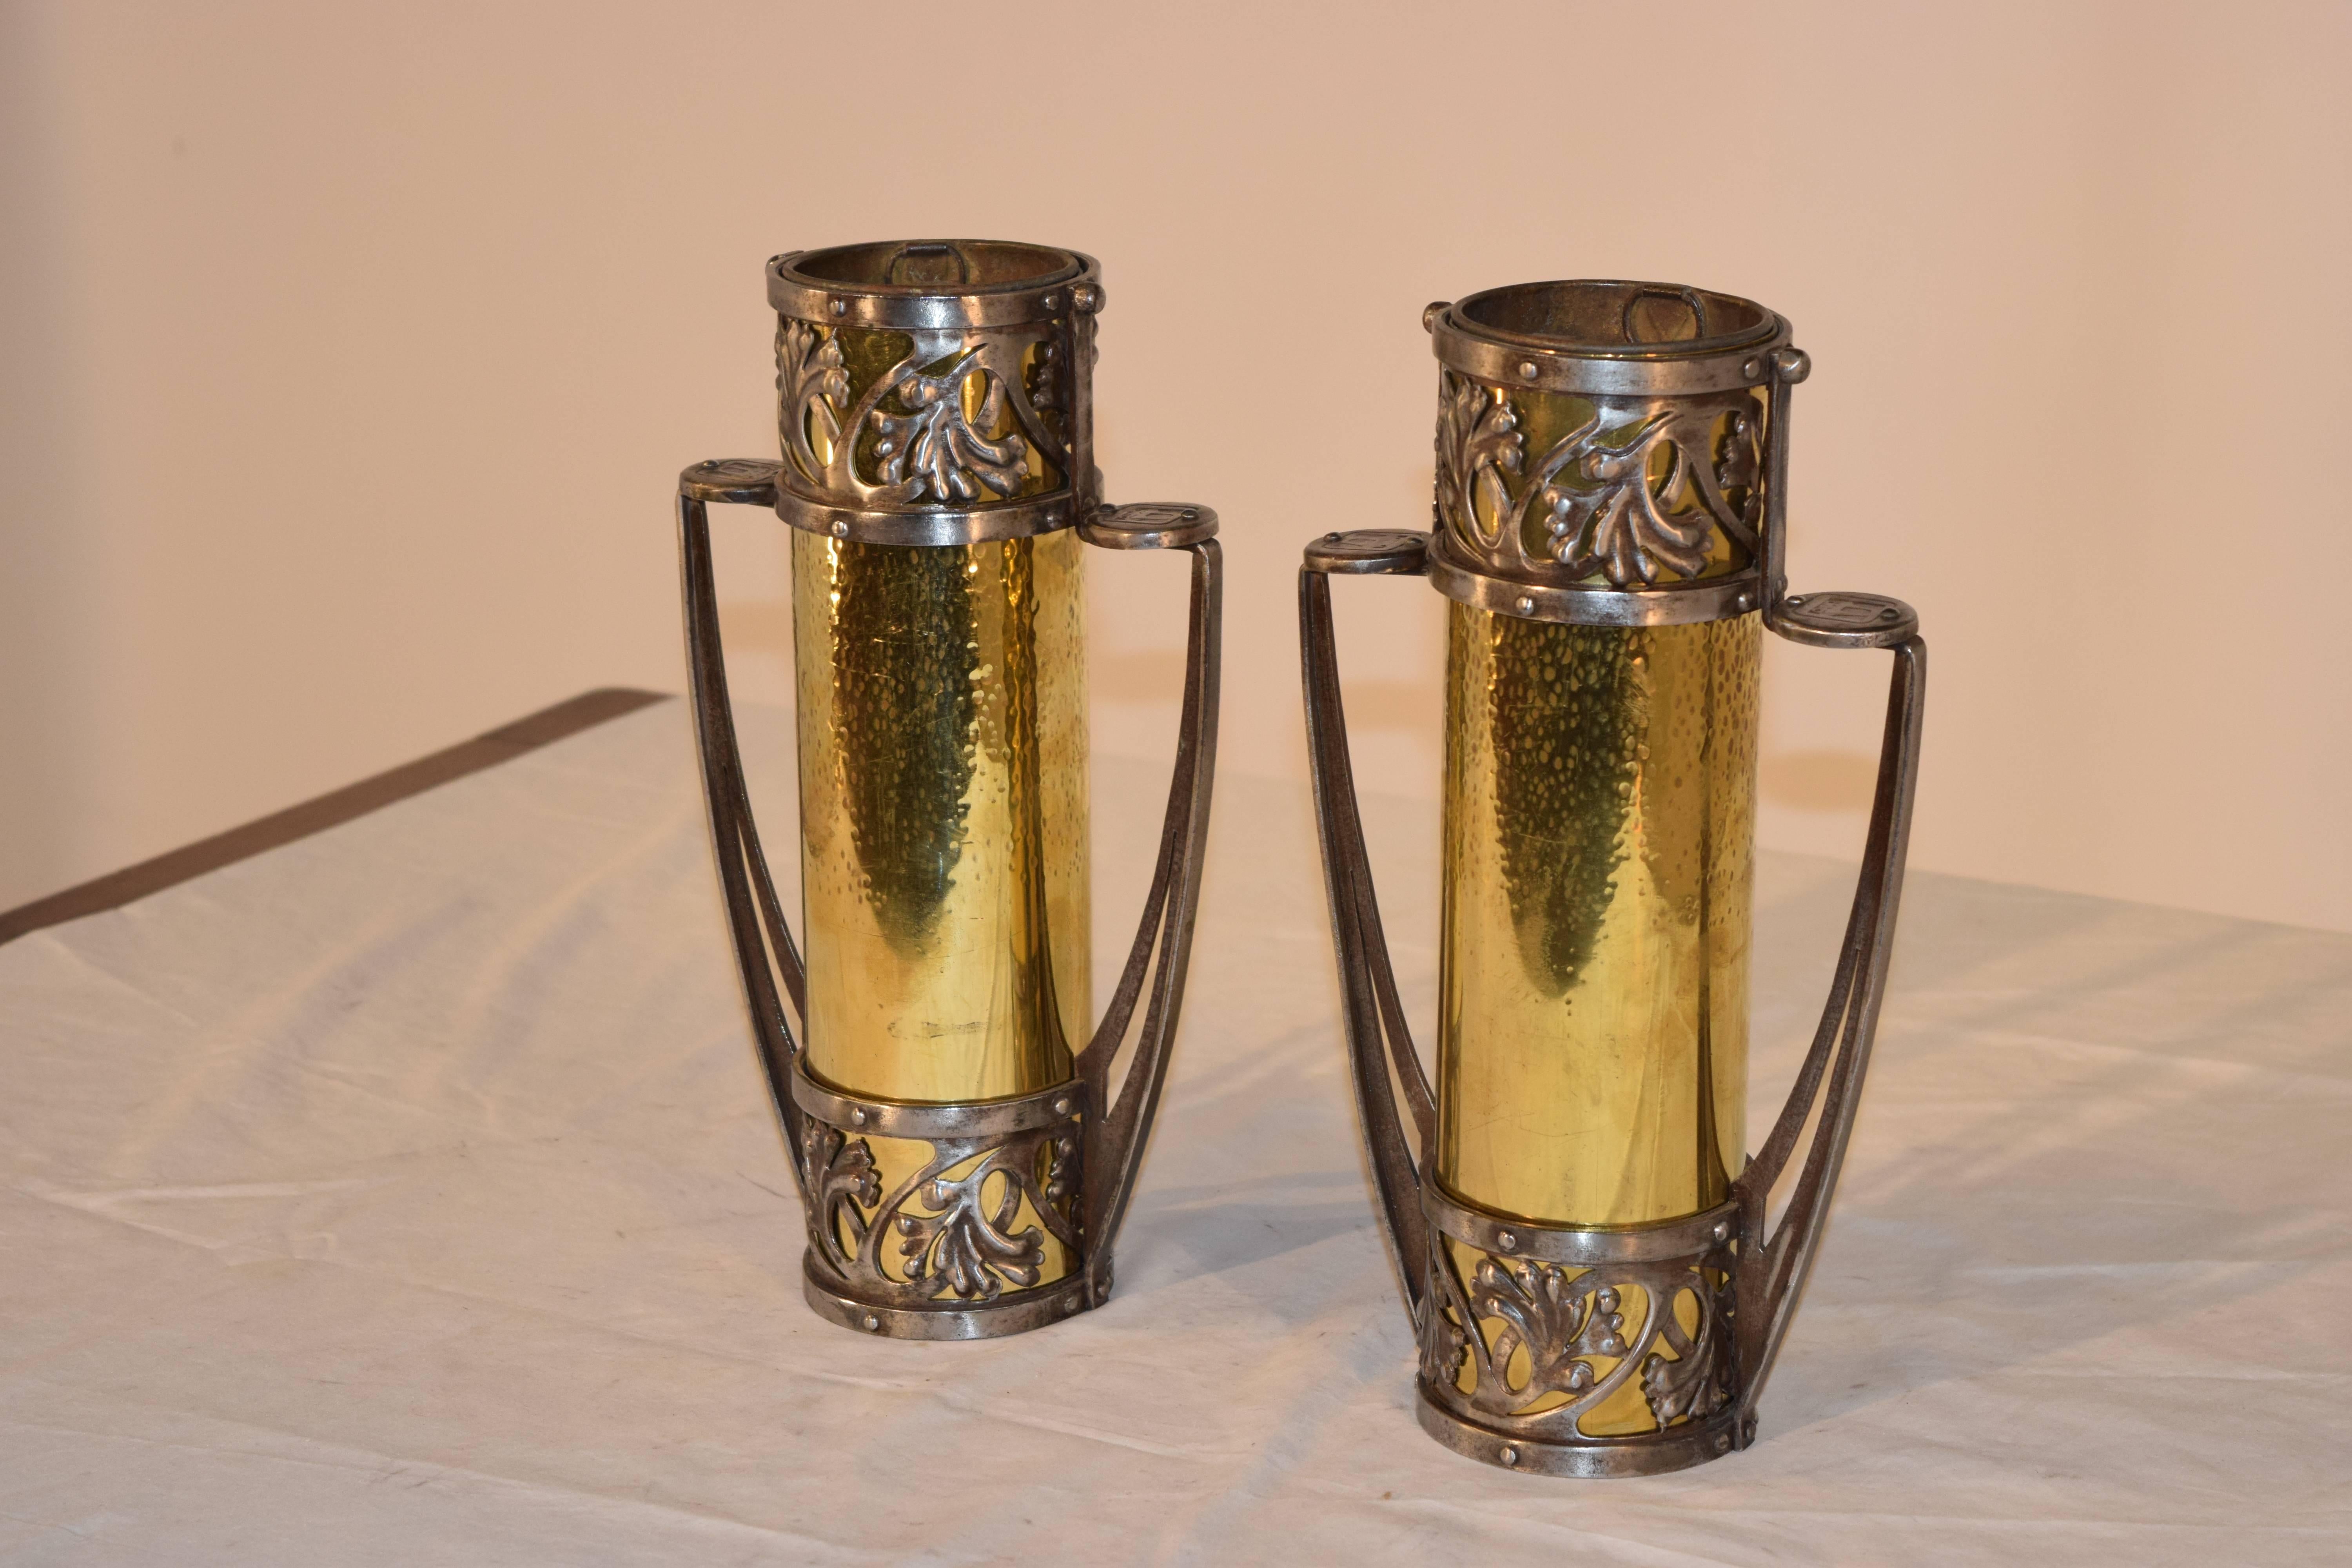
1593 1458
944 525
1471 337
948 1319
1712 599
896 1119
1051 283
1586 1245
1539 369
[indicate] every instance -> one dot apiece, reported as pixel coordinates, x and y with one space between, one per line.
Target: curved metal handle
764 951
1772 1268
1380 1056
1116 1129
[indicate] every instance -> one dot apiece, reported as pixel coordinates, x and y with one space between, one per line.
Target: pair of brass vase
1581 1238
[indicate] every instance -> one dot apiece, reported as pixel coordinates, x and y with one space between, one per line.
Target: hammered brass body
1598 847
942 709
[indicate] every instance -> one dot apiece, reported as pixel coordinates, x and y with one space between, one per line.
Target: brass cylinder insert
1598 840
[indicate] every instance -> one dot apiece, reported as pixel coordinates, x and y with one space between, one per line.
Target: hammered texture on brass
1599 805
942 711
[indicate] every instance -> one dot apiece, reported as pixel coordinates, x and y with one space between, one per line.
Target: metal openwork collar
1609 453
936 391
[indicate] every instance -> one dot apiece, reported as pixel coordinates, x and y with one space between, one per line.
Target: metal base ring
1646 1454
986 1320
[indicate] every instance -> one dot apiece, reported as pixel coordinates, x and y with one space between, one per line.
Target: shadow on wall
1818 780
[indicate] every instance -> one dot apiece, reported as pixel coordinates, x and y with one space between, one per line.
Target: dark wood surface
484 751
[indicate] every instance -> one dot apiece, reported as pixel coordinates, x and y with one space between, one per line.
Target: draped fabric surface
408 1194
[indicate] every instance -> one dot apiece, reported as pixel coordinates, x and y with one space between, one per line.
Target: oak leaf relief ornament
1479 442
814 388
934 453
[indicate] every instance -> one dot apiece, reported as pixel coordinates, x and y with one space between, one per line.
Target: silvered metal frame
1747 1267
1087 1134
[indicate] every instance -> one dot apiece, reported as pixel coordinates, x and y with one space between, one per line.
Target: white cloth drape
409 1195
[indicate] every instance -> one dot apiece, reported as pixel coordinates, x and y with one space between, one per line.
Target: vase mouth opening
1616 319
938 265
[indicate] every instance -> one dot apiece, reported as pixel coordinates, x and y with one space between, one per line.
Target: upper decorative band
1602 457
1588 1244
952 378
1600 338
941 285
895 1119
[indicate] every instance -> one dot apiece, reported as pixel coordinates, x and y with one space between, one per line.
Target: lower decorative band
942 1222
1575 1350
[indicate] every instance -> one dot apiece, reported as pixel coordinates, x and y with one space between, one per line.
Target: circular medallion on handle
1845 620
742 481
1371 552
1149 525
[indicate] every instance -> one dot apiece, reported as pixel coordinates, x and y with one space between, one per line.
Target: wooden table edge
174 867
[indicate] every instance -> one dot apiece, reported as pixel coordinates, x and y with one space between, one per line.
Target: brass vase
962 1152
1580 1235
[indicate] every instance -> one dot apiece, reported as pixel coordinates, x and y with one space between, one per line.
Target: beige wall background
350 352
